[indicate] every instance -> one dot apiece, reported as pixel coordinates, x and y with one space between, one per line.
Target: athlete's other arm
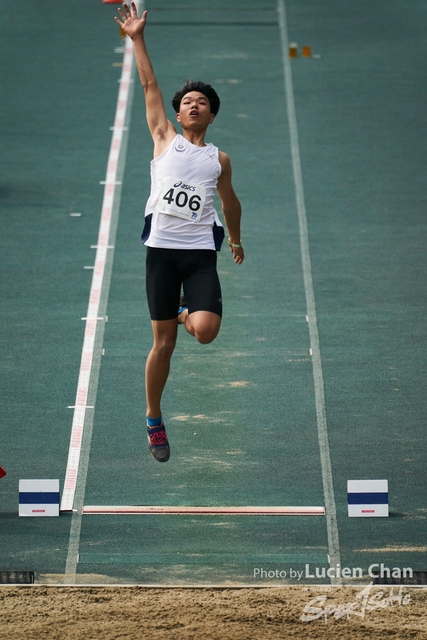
161 129
231 207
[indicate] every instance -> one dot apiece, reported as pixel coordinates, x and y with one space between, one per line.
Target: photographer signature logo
364 601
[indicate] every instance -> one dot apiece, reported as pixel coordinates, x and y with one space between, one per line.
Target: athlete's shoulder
224 161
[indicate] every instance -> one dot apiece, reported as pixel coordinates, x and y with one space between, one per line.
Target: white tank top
183 183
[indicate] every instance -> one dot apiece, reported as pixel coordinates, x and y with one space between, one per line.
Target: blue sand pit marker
39 498
367 498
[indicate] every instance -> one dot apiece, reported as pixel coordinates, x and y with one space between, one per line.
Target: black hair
201 87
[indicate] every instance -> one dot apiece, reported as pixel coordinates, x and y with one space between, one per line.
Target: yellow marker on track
293 50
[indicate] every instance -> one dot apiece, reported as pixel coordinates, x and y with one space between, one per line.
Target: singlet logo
180 147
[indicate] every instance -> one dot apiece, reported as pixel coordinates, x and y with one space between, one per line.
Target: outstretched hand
131 25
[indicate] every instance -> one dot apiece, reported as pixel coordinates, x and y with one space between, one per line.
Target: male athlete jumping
182 230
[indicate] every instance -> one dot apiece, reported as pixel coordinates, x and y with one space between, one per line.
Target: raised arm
231 208
161 129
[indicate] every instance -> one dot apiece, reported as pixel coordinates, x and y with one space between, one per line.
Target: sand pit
113 613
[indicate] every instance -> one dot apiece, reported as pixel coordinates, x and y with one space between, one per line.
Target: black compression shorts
194 269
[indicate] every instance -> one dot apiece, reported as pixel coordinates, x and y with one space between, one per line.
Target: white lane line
100 282
88 406
81 439
328 488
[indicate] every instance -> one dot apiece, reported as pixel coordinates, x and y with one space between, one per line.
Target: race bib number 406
181 199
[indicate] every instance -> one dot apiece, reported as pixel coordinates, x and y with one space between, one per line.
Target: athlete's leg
202 292
203 325
158 363
163 287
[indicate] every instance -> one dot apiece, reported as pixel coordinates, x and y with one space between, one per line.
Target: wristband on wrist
235 246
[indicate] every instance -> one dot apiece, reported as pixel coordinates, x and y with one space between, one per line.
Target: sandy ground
112 613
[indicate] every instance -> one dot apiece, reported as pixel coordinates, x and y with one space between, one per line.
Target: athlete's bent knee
206 336
203 325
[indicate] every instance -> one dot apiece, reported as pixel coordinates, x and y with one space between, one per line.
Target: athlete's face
195 109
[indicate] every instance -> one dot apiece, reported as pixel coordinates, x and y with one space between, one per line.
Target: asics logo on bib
189 187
